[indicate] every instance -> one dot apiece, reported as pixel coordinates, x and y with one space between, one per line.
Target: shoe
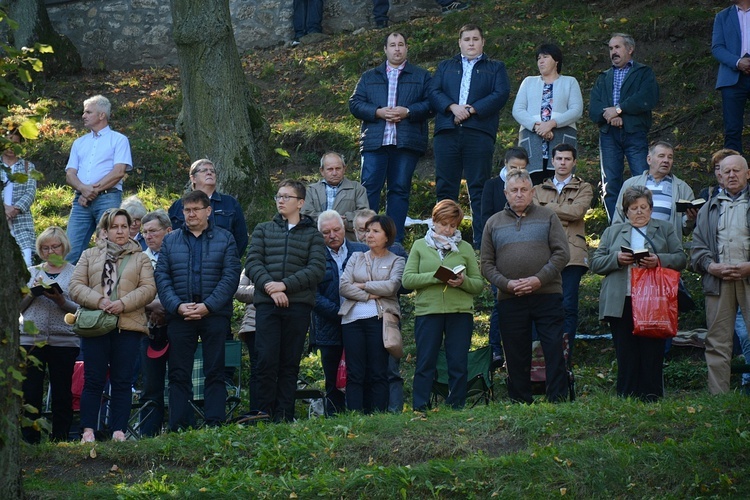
118 436
455 7
88 436
295 43
381 24
313 38
497 361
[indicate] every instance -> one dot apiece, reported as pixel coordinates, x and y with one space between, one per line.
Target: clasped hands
545 130
730 272
614 119
524 286
89 192
111 307
192 310
461 113
392 114
276 290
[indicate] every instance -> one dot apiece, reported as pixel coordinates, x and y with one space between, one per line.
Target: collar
389 68
465 59
563 182
102 132
627 66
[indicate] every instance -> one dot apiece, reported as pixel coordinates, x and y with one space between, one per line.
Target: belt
106 191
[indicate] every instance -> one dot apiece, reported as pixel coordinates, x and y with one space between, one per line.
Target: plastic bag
341 374
654 297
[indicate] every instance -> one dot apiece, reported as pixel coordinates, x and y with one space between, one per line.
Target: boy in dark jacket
286 262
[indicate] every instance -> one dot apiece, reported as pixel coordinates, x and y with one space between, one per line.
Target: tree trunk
34 26
13 274
219 119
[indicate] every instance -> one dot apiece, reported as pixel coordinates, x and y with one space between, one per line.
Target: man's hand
460 113
88 191
524 286
280 299
744 65
727 272
274 287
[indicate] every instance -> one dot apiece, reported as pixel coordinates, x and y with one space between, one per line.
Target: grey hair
134 207
520 174
332 153
628 39
328 215
101 103
159 215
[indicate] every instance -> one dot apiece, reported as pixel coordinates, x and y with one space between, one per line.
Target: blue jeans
733 102
114 352
571 283
183 341
83 220
396 167
464 151
380 11
429 332
741 330
614 146
308 14
366 366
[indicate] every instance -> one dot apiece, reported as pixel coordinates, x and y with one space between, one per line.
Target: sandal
118 436
88 436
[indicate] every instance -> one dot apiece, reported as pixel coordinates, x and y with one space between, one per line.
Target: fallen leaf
563 491
292 495
92 453
690 409
114 468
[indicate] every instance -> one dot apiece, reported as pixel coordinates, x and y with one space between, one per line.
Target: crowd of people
330 265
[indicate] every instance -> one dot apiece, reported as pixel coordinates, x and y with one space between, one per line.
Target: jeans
430 331
279 339
307 17
183 341
546 313
396 167
154 371
83 220
733 102
330 357
468 152
114 352
741 330
380 14
60 362
614 146
366 366
571 283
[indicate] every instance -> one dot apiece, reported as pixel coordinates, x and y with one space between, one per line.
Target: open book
40 289
683 205
638 253
446 274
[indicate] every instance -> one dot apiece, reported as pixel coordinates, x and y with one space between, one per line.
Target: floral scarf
443 244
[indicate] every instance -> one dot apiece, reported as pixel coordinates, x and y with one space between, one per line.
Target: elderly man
621 102
665 187
524 250
196 275
391 100
335 192
720 254
570 198
226 211
326 322
467 93
98 162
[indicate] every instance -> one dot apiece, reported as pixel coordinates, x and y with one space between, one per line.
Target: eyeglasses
51 248
285 197
204 170
191 211
135 221
152 231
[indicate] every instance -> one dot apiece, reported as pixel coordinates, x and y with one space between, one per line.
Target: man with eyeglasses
196 276
226 211
286 261
97 163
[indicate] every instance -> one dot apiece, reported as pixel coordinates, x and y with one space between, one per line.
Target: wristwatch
407 112
618 109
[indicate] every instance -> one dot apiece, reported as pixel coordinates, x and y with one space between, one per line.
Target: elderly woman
369 285
547 108
116 277
54 345
639 359
135 208
444 310
18 197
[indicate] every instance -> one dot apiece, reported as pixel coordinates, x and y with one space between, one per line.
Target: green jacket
434 296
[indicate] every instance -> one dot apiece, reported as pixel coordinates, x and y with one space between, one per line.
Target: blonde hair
51 233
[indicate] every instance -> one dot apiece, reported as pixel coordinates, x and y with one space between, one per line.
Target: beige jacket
136 289
384 280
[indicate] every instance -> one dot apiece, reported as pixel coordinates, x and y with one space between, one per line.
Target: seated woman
18 197
547 108
639 359
55 345
369 285
444 310
116 277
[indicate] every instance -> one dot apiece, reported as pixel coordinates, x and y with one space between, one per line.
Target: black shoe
455 7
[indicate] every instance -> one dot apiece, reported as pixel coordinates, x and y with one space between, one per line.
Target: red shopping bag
654 297
341 373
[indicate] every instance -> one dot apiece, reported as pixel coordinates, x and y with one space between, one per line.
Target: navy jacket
638 96
488 94
371 93
226 213
326 323
219 272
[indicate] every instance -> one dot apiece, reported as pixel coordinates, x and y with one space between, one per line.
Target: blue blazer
726 45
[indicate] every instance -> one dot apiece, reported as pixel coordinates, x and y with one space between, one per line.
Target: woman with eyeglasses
116 277
18 196
52 341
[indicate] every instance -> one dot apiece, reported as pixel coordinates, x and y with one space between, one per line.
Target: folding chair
316 398
479 381
232 359
539 371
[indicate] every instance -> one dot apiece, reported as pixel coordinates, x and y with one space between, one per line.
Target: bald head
734 173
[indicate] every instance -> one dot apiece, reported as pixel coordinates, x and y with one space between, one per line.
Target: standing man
666 189
570 198
226 211
196 275
467 93
335 192
98 162
391 100
524 249
720 253
621 102
730 45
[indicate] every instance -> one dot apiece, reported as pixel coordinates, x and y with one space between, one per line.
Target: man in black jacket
196 275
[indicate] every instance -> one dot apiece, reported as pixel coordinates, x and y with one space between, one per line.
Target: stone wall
121 34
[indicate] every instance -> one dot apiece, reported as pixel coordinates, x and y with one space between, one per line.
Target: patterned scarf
109 274
443 244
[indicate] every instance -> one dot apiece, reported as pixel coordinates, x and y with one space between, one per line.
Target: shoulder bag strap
113 295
